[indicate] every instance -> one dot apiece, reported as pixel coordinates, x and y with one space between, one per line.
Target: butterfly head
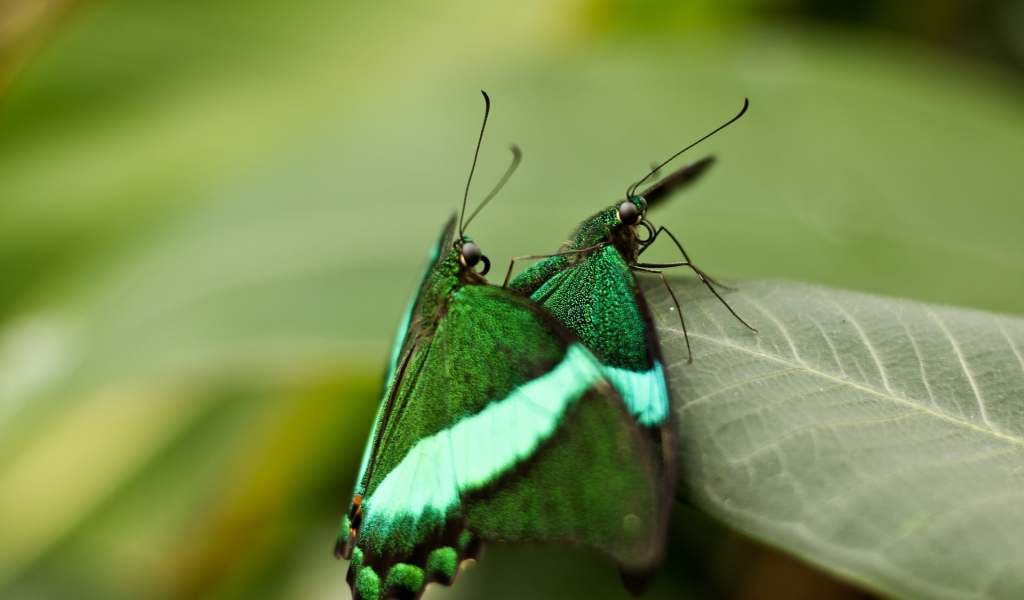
616 226
631 211
630 215
470 255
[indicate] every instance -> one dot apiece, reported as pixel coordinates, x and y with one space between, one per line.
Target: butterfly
495 424
589 286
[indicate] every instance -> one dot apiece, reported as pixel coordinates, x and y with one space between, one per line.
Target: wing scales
448 453
598 299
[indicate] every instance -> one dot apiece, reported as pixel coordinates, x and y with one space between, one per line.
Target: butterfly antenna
465 196
517 155
632 188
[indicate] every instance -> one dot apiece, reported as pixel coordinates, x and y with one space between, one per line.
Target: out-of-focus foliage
23 25
212 213
988 29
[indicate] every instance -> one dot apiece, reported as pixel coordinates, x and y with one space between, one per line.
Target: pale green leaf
881 439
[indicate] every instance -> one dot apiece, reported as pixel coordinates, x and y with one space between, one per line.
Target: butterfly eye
470 255
629 213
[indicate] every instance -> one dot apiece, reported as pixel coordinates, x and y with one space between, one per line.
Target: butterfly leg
703 278
512 263
686 336
685 256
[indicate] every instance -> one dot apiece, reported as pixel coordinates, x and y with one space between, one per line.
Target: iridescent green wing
408 333
498 426
596 296
598 299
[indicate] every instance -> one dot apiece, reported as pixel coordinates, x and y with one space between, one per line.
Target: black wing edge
346 539
677 180
669 443
467 549
444 245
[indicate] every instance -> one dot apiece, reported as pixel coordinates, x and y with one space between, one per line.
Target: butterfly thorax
442 283
605 228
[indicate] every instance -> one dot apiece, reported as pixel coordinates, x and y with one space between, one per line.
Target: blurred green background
212 213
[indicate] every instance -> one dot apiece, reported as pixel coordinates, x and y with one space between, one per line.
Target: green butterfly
495 424
590 287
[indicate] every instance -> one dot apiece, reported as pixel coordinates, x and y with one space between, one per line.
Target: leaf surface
881 439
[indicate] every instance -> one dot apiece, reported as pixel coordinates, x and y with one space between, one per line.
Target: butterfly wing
480 438
408 333
566 459
679 179
599 300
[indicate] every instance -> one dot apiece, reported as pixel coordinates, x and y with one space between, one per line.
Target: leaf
881 439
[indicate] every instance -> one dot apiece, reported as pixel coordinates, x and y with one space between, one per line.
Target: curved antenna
487 111
517 155
632 188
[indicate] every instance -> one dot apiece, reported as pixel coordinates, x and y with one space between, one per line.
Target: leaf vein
1009 341
775 403
863 335
918 464
889 396
736 384
831 345
920 361
781 327
807 428
924 522
963 362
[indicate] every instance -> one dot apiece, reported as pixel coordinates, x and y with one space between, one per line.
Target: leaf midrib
888 395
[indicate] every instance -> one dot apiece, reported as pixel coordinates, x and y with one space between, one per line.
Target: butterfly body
496 424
